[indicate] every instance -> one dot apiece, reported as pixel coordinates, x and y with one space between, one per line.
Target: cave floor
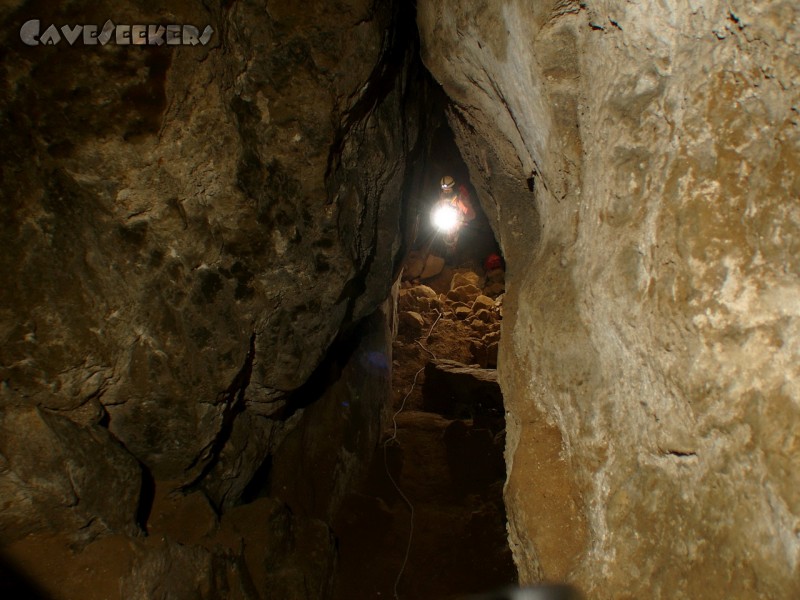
447 458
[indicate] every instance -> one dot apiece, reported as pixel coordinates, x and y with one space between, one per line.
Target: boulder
495 283
411 323
478 326
428 304
414 265
462 278
462 312
423 291
491 337
484 315
55 474
465 293
456 390
482 302
418 297
433 266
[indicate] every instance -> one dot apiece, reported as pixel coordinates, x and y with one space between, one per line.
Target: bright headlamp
445 217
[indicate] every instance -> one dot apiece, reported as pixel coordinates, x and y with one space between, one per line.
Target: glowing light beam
445 218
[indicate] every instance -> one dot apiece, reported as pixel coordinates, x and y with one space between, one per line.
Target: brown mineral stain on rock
544 500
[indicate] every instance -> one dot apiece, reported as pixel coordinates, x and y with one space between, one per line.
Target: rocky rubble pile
446 453
471 309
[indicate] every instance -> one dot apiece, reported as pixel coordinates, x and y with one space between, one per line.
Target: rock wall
639 162
186 230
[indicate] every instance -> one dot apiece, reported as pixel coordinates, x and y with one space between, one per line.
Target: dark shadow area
15 586
259 485
146 497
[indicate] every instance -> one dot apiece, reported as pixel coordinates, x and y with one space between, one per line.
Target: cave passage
230 367
443 450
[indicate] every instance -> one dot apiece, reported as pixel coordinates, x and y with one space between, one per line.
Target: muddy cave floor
447 457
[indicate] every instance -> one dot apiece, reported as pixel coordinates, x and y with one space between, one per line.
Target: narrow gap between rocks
267 509
443 450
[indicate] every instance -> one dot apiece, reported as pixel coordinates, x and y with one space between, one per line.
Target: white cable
397 487
386 464
431 331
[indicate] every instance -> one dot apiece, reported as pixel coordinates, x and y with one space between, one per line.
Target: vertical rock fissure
233 401
447 452
398 44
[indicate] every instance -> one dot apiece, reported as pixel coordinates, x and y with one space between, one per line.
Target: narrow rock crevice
233 404
633 175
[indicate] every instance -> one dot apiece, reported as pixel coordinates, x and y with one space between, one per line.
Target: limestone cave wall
186 232
639 162
198 243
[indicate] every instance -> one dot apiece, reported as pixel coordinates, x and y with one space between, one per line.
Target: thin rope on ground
397 487
426 350
427 336
431 329
392 438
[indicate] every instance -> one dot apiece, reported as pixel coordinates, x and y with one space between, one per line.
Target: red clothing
460 201
464 204
492 262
